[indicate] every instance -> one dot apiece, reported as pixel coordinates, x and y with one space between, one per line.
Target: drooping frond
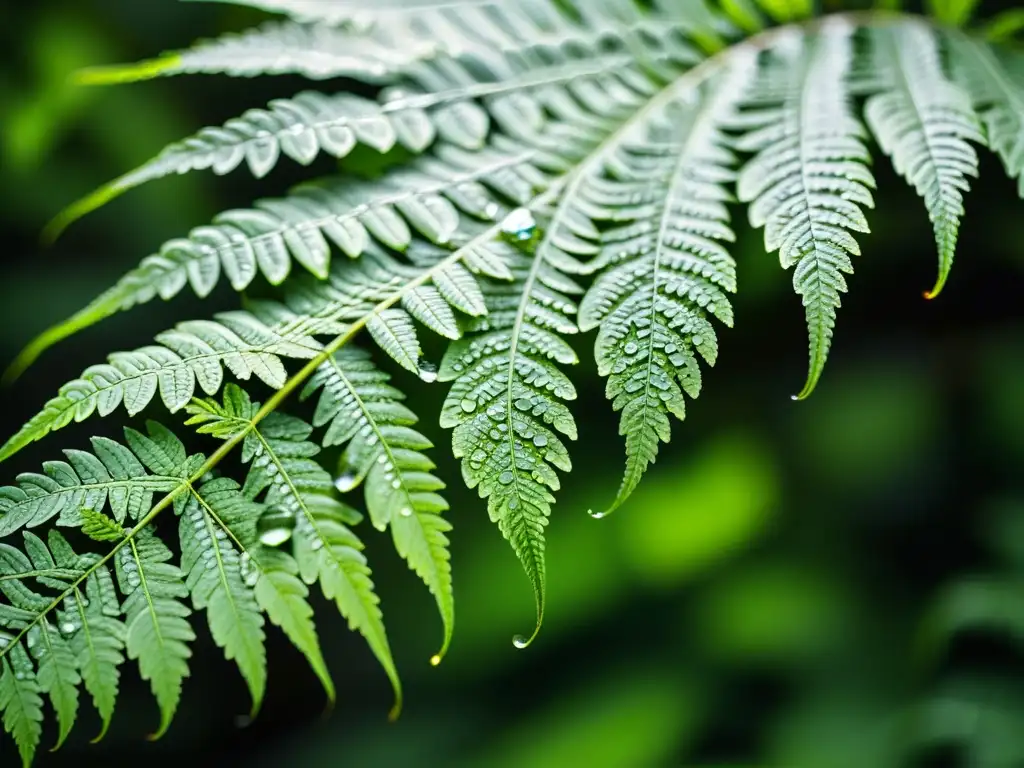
69 619
315 51
194 353
426 198
809 178
664 268
924 122
996 86
384 453
216 577
505 402
364 11
84 632
299 128
302 509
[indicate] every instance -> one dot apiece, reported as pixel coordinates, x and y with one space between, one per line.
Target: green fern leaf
99 646
325 549
317 52
213 574
20 701
360 409
283 596
925 122
158 632
652 303
57 673
86 482
426 197
809 178
194 353
994 83
504 402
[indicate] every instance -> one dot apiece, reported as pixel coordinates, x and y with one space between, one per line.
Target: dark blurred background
837 583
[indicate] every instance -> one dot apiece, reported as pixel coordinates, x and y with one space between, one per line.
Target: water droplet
406 512
631 348
468 405
520 642
396 484
697 341
67 627
520 224
492 210
597 515
435 660
275 526
428 371
505 478
346 481
540 441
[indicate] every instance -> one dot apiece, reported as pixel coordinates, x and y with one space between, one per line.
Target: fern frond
343 11
79 636
214 577
301 494
299 128
924 122
84 633
194 353
20 700
809 178
664 268
504 402
315 51
110 476
994 83
427 198
384 453
156 618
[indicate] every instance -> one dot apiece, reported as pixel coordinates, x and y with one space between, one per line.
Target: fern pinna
570 169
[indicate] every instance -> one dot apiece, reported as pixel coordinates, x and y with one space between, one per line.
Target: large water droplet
348 478
468 405
275 526
520 641
428 371
519 225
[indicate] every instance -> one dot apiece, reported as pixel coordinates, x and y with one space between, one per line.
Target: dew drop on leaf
347 478
519 225
428 371
275 526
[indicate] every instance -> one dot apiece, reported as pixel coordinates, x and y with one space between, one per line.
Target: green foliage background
787 587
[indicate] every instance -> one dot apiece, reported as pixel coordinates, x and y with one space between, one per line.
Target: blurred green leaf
686 520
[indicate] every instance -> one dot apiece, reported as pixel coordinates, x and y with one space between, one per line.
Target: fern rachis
564 149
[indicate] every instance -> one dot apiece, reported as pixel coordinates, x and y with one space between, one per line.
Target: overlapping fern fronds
572 169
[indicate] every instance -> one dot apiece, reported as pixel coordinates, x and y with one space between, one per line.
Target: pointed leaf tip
126 73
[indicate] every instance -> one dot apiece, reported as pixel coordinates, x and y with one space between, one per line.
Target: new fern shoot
574 168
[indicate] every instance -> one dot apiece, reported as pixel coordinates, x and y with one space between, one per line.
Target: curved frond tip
128 73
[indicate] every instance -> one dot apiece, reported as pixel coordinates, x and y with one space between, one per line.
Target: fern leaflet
924 122
809 178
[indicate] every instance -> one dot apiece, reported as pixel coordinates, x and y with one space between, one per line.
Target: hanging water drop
275 526
519 225
348 477
428 371
520 642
